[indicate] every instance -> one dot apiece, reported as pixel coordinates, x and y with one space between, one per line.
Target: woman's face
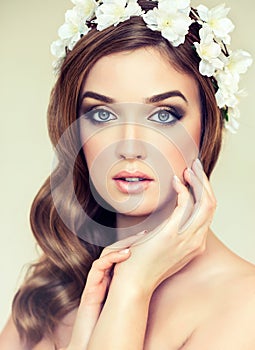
140 124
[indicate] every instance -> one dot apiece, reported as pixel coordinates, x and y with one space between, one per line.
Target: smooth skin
170 291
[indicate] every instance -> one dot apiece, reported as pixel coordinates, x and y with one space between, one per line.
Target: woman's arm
93 297
123 320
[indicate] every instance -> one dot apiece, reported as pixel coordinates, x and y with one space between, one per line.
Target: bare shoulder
9 337
245 292
229 317
236 317
237 288
244 282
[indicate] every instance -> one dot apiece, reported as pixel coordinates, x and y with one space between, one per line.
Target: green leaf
225 113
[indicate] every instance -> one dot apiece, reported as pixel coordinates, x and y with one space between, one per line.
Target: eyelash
177 115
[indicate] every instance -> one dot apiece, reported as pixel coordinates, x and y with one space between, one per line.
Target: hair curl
54 284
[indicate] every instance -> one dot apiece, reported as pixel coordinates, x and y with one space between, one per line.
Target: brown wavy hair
54 284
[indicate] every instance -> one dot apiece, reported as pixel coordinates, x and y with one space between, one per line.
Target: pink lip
125 173
134 187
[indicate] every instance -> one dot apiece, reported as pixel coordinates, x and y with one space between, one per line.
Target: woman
127 136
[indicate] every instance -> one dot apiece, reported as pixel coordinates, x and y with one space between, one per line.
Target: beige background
27 28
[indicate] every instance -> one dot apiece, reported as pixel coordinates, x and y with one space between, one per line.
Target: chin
146 203
144 207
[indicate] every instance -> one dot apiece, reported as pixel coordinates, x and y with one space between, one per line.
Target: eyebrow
152 99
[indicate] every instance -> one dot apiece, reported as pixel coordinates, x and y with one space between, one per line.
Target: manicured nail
176 179
124 251
190 171
142 233
199 164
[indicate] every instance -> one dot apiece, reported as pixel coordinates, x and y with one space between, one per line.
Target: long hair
54 284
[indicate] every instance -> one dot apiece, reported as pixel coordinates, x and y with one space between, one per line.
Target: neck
217 259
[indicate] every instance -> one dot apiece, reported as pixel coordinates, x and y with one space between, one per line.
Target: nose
131 149
130 146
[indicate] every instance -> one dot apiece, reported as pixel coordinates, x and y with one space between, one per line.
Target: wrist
128 287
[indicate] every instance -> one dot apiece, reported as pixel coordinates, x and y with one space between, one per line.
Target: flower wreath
172 19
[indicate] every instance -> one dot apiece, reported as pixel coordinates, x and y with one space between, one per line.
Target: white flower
85 8
209 52
228 93
112 12
58 48
228 79
232 124
216 19
224 97
182 5
73 28
238 62
171 21
228 88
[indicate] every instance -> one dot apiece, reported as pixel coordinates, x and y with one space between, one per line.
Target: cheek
95 145
99 161
91 151
100 156
179 147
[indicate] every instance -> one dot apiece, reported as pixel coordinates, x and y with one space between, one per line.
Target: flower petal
203 12
206 68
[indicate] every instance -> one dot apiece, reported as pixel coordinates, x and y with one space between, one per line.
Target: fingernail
142 233
124 251
199 164
190 171
176 179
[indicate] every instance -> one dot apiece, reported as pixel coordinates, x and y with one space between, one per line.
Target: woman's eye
164 116
100 115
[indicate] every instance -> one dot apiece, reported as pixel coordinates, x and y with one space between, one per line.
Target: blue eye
100 116
165 116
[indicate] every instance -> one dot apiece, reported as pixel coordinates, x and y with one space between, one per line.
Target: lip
133 187
123 174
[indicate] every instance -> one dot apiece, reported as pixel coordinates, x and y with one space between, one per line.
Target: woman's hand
95 291
166 250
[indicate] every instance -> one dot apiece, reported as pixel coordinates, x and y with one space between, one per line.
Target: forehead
134 75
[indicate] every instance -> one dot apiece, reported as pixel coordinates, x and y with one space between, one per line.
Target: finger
101 266
185 215
197 186
197 176
124 243
184 204
183 194
197 167
205 203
